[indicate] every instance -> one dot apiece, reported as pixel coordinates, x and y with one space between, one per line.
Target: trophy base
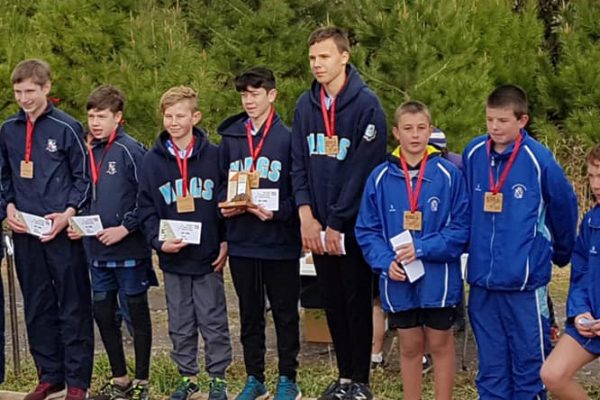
237 203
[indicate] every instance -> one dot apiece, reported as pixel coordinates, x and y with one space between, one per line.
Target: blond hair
411 107
178 94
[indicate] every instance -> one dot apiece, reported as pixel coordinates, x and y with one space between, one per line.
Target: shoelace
185 385
250 387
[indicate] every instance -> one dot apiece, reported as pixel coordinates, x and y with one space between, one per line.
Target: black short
440 319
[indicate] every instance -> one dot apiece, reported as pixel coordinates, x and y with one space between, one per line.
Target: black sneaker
112 391
336 391
360 391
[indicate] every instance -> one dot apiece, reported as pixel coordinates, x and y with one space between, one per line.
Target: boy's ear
196 117
523 121
46 88
396 132
272 95
119 117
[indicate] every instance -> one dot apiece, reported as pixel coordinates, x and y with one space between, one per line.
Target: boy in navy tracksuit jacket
523 218
581 343
44 172
417 180
119 257
178 181
338 137
264 245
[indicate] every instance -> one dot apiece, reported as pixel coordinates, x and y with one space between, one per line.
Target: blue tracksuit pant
55 283
512 333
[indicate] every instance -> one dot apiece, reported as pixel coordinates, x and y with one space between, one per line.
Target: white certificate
88 225
268 198
342 245
415 269
36 225
188 231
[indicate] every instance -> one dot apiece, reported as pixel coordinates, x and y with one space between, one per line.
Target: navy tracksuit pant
54 280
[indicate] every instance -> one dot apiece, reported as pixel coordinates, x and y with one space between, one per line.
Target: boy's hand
262 213
110 236
16 225
310 229
406 253
585 331
73 234
59 222
232 212
219 262
172 245
333 240
396 273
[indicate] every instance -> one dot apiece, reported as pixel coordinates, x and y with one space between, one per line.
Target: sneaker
427 363
75 393
112 391
140 391
360 391
253 390
185 389
217 389
335 391
377 365
46 391
287 389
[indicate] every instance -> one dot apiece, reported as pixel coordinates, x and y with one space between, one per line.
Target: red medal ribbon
495 187
182 164
329 118
28 139
254 153
95 168
413 197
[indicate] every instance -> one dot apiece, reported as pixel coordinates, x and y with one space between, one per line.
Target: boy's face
326 61
103 122
413 132
503 126
257 101
594 177
31 97
180 119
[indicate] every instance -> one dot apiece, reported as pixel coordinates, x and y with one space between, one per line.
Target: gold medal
331 146
26 169
413 221
254 178
492 202
185 204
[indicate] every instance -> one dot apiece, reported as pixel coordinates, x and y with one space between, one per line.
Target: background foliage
447 53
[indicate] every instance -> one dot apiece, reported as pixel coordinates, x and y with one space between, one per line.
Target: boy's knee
104 307
553 375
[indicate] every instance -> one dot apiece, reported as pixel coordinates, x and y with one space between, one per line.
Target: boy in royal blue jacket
263 243
179 179
44 172
417 181
338 137
581 343
119 257
523 218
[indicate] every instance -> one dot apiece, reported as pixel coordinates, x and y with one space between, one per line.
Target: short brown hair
593 156
411 107
106 97
36 70
512 96
177 94
330 32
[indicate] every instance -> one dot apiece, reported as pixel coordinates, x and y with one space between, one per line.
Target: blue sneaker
185 389
287 389
253 390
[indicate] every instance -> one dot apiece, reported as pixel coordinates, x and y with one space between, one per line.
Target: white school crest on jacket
112 168
51 146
